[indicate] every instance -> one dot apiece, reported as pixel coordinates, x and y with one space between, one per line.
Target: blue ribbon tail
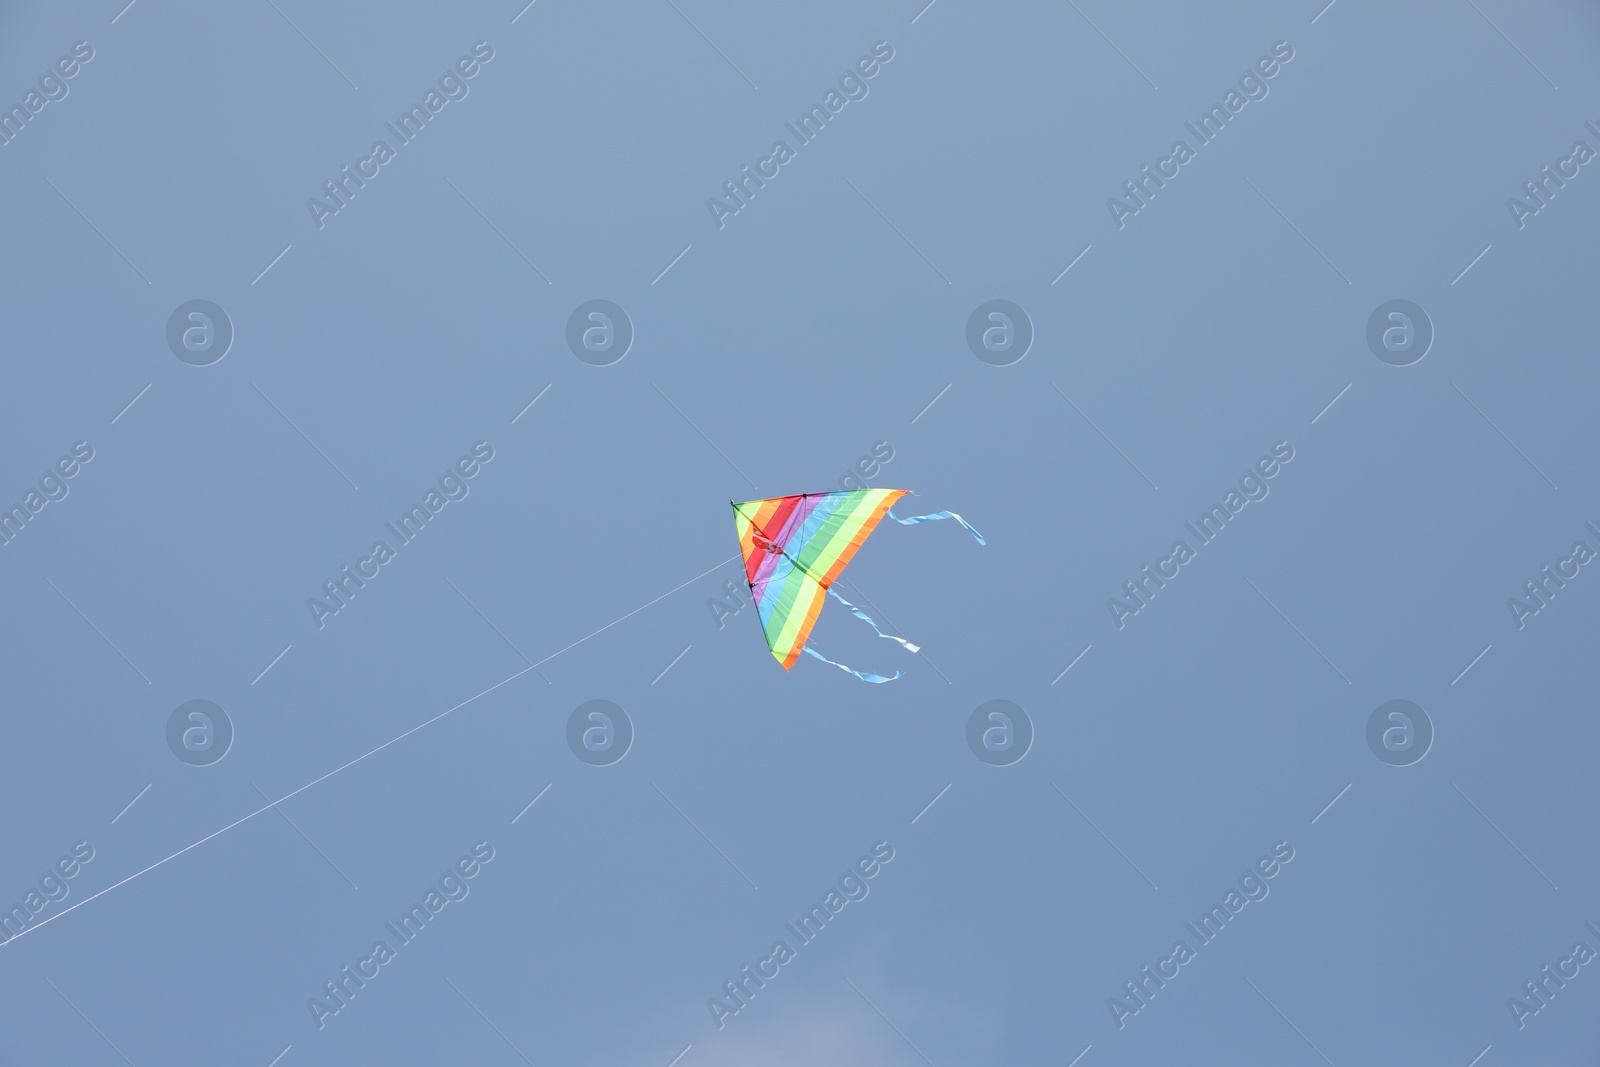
938 515
864 676
864 617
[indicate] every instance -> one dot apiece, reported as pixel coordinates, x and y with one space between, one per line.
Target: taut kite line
795 546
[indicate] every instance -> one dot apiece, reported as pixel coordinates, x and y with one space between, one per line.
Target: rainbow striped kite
794 548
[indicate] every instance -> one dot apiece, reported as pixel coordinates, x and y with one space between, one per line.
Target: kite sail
794 548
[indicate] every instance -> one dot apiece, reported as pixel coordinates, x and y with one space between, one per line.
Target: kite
794 548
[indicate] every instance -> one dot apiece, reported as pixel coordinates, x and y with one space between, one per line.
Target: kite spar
794 547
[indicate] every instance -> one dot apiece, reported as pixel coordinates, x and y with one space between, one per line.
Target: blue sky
425 325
